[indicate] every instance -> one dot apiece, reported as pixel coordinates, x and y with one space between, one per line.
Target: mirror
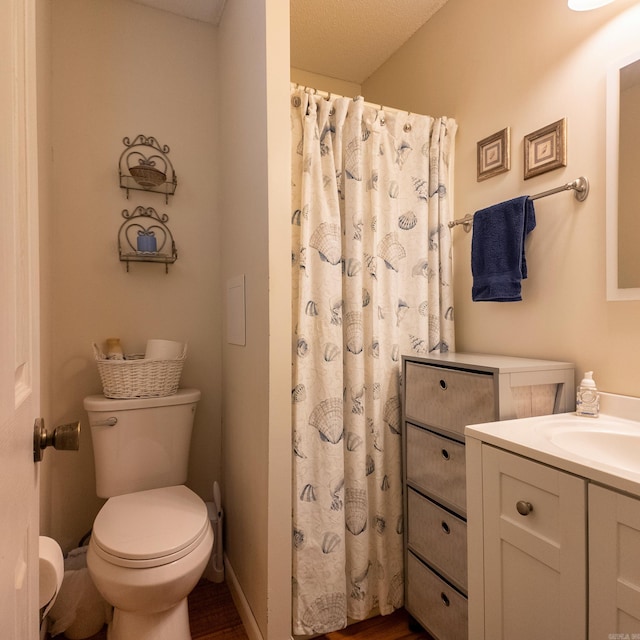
623 167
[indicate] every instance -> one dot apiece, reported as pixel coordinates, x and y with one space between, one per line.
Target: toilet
151 541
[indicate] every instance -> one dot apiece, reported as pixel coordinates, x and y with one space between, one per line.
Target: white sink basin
605 450
611 442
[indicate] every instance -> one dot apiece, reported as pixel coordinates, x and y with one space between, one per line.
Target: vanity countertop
605 450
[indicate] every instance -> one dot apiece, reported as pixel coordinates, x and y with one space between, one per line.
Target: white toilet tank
142 443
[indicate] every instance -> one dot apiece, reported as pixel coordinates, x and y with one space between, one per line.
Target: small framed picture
494 154
545 149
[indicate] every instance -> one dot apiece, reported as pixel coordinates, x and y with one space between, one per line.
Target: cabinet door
535 550
614 564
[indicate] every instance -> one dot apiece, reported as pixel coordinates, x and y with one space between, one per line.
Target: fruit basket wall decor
144 165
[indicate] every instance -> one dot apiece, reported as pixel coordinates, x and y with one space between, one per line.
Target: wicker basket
136 377
147 176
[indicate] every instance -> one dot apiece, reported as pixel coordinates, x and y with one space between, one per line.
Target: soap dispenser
587 397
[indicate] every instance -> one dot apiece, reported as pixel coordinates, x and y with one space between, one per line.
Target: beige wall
501 63
122 69
255 230
43 66
279 525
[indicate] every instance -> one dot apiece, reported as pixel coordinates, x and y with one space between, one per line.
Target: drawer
448 399
435 604
436 466
438 537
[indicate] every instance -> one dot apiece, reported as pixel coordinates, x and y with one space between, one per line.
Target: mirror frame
614 292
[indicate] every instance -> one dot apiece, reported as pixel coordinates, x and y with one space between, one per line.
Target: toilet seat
150 528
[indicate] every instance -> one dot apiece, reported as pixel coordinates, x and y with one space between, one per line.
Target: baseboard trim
242 604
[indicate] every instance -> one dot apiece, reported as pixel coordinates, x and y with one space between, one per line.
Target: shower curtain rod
579 185
327 95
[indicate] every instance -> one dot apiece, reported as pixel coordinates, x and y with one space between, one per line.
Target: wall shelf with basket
145 237
144 165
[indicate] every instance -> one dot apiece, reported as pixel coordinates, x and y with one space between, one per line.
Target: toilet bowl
147 552
151 541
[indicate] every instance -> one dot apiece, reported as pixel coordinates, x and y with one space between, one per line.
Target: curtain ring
332 110
407 127
295 101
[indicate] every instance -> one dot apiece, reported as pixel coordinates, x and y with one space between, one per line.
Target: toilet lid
150 528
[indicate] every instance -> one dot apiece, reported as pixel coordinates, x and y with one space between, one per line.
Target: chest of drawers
442 394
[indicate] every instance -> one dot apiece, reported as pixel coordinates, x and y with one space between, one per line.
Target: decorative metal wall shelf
145 237
144 165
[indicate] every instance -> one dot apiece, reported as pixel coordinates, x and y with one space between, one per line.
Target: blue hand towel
498 262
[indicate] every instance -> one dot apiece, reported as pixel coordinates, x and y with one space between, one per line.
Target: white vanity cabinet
614 564
553 535
441 394
551 554
534 547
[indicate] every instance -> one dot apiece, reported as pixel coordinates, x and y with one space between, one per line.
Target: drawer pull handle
524 508
445 600
445 454
445 527
443 385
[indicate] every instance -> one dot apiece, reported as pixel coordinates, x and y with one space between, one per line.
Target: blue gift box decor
147 241
145 237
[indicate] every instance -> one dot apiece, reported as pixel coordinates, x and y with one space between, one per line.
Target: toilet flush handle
66 437
107 422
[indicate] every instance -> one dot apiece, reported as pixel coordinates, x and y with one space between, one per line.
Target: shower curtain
372 279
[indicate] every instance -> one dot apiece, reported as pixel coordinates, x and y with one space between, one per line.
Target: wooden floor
392 627
213 616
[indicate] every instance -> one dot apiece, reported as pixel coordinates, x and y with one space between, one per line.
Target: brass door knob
65 437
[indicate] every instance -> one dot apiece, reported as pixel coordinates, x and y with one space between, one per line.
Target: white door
19 344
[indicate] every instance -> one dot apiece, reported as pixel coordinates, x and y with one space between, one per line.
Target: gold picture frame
545 149
494 154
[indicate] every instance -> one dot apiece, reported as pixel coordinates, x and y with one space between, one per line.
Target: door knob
66 437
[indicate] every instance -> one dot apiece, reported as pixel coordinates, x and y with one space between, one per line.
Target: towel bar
579 185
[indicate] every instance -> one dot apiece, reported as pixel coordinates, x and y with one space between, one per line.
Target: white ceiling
344 39
350 39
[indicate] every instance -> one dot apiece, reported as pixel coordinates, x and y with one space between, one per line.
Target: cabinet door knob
445 454
445 600
524 508
443 385
445 527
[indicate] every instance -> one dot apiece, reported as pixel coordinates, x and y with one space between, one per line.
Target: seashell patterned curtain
372 280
